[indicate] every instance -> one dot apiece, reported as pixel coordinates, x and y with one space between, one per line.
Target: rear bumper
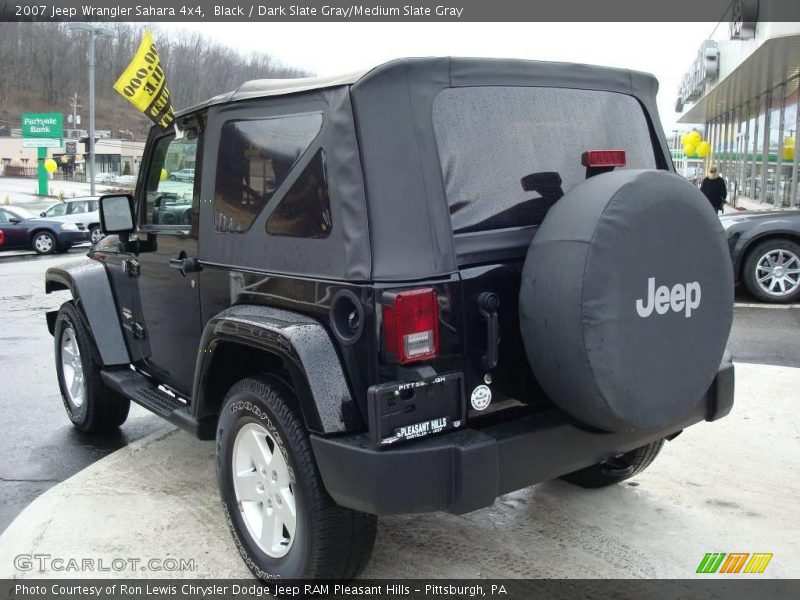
467 469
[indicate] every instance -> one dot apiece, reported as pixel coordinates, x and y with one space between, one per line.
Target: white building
111 156
743 91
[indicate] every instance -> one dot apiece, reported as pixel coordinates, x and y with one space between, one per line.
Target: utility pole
74 118
94 32
75 107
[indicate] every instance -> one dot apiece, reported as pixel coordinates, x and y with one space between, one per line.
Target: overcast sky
664 49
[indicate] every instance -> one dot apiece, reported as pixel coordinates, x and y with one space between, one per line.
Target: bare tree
43 64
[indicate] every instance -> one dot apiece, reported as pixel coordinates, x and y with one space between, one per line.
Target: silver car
82 211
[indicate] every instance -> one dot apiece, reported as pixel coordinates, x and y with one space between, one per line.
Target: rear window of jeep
490 138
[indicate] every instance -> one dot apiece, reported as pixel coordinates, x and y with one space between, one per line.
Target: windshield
57 210
508 153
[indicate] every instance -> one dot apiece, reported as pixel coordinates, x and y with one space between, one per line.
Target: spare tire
626 300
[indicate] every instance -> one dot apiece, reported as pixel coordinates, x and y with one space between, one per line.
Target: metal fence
32 172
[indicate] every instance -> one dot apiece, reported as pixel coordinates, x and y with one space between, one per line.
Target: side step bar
141 390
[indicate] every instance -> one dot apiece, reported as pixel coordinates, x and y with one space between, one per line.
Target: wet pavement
40 448
766 334
38 445
728 486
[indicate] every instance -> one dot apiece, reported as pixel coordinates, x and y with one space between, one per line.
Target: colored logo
734 562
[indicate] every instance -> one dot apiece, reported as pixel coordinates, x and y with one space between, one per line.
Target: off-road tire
331 542
594 477
102 408
749 269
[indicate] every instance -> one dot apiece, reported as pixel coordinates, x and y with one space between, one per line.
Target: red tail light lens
604 158
411 325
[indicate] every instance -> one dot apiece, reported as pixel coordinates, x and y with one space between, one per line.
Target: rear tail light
603 158
411 325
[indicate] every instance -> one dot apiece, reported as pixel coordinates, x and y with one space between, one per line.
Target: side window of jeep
258 155
169 188
305 209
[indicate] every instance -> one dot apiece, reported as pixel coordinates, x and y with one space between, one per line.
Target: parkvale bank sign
42 129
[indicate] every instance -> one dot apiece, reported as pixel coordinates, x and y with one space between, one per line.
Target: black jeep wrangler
409 290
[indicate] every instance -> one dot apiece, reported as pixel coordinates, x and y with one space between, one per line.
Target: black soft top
392 212
497 70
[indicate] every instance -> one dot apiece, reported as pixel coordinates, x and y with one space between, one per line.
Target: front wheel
96 234
617 469
90 405
772 271
282 519
44 242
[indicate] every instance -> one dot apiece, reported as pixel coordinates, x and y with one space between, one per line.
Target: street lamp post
94 33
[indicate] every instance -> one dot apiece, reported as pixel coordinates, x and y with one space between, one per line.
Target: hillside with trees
43 64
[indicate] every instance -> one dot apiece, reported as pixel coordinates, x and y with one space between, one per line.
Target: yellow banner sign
143 84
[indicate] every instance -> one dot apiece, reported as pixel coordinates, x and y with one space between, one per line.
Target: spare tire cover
626 300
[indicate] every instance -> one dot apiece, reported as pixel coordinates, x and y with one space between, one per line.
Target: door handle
488 303
186 264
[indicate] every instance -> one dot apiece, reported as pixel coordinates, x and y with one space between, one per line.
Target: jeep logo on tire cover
682 297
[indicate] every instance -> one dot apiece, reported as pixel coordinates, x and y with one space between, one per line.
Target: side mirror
42 214
116 213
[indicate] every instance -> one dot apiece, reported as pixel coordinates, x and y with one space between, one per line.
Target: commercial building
743 91
111 156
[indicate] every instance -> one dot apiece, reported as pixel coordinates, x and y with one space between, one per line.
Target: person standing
714 189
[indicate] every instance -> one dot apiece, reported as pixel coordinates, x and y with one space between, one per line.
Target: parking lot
150 491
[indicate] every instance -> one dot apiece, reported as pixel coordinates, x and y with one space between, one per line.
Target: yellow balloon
684 139
163 175
695 138
788 149
50 165
689 149
703 148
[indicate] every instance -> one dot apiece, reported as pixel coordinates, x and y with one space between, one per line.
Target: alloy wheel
72 368
264 490
778 272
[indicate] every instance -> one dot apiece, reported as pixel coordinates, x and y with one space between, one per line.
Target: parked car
395 294
22 231
765 250
753 185
81 211
182 175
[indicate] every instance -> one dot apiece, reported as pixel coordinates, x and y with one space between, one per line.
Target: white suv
81 211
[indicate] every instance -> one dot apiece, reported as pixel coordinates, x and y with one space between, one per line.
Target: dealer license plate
409 432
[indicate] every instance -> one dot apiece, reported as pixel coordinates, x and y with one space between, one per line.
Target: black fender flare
88 283
306 351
